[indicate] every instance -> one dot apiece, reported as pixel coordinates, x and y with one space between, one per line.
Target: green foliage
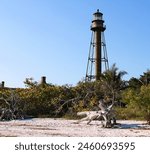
138 102
4 93
144 101
134 83
112 83
47 100
43 100
145 78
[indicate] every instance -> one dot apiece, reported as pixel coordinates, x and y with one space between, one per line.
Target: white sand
60 127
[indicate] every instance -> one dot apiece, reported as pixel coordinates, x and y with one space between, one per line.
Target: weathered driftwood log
108 114
105 112
89 116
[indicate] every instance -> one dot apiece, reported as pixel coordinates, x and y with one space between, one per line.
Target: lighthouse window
97 17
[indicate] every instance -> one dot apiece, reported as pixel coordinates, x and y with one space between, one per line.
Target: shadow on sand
133 126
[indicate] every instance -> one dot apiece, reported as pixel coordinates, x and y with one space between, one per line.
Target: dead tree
107 113
71 102
89 116
104 112
11 110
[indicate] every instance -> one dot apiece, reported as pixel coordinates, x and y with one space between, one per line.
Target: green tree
138 103
144 102
134 83
145 78
112 83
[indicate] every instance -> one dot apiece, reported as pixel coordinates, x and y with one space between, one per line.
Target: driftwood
6 114
107 114
104 112
89 116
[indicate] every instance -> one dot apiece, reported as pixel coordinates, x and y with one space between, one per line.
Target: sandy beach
49 127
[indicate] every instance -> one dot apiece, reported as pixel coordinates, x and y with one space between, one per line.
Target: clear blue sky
51 38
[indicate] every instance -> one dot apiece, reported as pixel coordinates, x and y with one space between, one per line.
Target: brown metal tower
97 52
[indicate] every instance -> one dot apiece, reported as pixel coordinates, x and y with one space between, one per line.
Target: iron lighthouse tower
97 59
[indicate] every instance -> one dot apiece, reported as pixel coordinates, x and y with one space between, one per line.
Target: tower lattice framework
97 58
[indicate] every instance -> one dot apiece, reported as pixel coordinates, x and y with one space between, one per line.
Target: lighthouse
97 59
